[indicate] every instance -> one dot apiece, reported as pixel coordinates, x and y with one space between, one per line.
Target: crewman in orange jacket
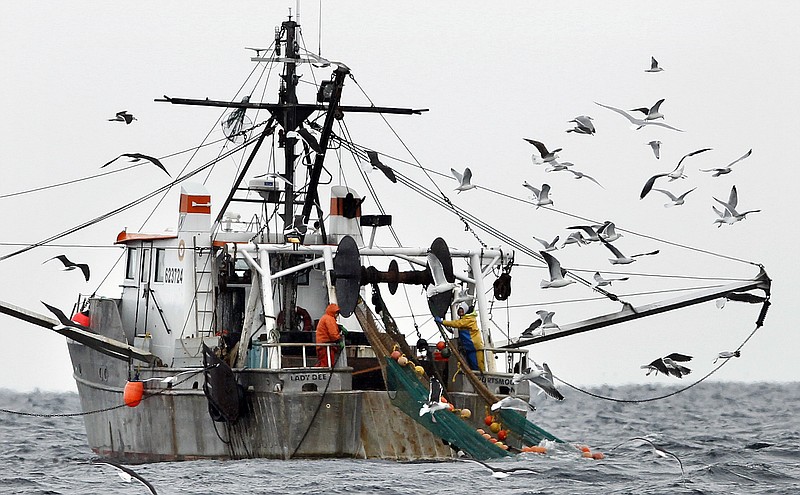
328 332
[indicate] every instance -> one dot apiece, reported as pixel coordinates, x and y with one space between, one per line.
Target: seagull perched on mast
464 180
639 123
556 272
727 168
69 265
123 116
541 197
135 157
677 173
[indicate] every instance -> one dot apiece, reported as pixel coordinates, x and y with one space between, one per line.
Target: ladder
203 290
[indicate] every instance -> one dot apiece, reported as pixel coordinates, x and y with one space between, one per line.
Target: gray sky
490 76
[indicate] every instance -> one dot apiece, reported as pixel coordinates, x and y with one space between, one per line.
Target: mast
288 98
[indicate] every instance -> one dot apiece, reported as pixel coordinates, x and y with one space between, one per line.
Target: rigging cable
759 323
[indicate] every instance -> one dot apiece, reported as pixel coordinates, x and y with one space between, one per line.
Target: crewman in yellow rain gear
469 335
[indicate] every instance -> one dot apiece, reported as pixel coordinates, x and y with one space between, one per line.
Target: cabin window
145 266
130 268
160 269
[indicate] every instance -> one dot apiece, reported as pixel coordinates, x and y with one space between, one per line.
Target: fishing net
527 431
408 393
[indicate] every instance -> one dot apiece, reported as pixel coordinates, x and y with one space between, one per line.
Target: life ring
308 323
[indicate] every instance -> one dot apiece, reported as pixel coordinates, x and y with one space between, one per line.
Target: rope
758 325
95 411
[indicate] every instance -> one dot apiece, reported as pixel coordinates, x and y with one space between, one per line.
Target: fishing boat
211 351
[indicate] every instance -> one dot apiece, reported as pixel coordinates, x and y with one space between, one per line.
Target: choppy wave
730 437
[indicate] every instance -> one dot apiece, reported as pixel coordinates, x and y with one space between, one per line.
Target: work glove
437 319
343 330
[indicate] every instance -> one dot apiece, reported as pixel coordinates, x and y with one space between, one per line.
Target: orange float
132 394
502 434
598 456
466 413
488 420
537 449
395 354
587 455
441 345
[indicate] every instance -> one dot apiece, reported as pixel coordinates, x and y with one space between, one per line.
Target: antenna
297 12
319 34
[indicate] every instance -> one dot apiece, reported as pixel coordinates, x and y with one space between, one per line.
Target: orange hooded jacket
327 328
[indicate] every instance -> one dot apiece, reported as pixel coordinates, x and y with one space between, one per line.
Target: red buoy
133 393
81 318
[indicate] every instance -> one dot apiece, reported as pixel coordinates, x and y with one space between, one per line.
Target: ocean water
730 437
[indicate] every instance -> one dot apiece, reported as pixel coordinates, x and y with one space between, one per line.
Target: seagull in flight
542 377
599 281
591 234
498 472
464 180
127 474
533 330
69 265
542 323
727 168
656 146
677 173
440 283
651 113
135 157
668 365
580 175
376 162
556 273
730 215
65 322
434 400
548 246
675 200
513 403
727 355
547 156
583 125
608 231
541 197
639 123
653 66
123 116
574 238
621 259
657 450
555 166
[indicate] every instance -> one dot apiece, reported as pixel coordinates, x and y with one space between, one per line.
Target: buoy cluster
402 360
494 427
587 453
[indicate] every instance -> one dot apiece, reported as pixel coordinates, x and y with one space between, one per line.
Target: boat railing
298 355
